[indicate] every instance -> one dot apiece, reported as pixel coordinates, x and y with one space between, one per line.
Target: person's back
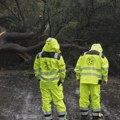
92 66
91 69
48 66
50 69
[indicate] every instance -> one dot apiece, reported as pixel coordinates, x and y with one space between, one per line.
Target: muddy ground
20 98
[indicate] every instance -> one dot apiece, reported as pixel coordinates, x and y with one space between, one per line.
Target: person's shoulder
39 54
57 56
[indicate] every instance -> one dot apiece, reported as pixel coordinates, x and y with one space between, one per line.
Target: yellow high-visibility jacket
92 66
49 64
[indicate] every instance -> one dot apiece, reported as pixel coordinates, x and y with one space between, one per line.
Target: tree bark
23 51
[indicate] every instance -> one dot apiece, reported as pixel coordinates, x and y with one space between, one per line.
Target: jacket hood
51 45
96 47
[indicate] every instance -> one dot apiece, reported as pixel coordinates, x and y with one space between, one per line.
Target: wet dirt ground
20 98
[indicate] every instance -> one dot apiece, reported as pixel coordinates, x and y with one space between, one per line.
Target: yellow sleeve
105 67
78 68
36 67
62 69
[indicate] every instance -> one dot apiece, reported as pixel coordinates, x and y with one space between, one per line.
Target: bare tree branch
25 56
66 21
10 10
15 35
21 50
18 6
74 46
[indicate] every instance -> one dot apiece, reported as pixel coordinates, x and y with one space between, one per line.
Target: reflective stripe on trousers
96 112
48 115
62 116
49 73
84 111
90 93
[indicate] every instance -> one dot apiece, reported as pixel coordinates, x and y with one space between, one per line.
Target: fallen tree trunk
20 50
23 51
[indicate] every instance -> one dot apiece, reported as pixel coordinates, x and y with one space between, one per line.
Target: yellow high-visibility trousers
50 91
90 94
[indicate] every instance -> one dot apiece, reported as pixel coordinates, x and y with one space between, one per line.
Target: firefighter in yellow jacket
50 69
92 70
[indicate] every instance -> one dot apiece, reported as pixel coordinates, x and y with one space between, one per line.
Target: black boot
95 118
98 118
84 117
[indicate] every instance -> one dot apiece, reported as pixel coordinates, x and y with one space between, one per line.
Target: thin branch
18 6
62 26
15 35
10 10
74 40
74 46
24 56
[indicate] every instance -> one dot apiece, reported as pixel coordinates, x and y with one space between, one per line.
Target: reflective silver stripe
100 54
84 113
56 55
40 54
95 114
104 77
36 70
46 73
88 68
47 113
49 79
105 68
85 53
77 67
61 113
48 117
91 74
97 110
49 73
62 70
81 108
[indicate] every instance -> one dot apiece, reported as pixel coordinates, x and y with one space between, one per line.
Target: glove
104 82
100 82
59 82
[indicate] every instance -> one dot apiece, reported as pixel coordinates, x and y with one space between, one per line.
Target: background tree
75 23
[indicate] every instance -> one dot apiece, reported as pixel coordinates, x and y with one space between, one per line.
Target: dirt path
20 98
